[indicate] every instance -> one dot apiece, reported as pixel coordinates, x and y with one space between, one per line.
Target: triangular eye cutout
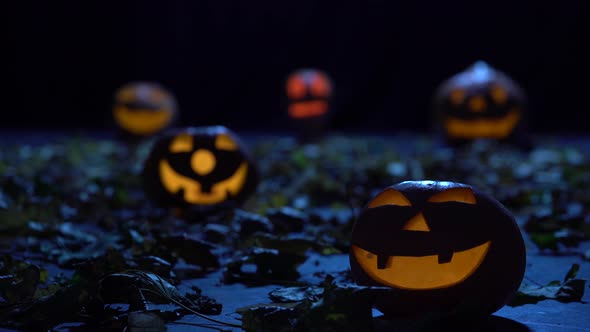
225 142
125 95
389 197
296 88
499 95
457 96
182 143
463 195
320 86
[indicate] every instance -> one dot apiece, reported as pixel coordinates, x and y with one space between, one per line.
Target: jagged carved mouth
422 272
192 189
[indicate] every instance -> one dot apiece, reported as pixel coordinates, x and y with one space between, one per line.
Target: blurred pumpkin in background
143 108
480 103
447 248
204 166
309 92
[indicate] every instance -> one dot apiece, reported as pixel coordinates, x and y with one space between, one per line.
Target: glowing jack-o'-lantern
204 166
309 92
444 246
480 103
143 108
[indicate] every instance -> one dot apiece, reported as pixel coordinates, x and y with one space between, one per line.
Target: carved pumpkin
206 166
480 103
444 246
309 92
143 108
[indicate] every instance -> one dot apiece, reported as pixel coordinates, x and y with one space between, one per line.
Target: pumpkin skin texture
446 249
481 103
143 109
199 167
309 93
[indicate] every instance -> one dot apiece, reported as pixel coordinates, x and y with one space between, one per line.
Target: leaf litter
80 242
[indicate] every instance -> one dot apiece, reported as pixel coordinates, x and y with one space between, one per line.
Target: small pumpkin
445 247
203 167
309 93
143 108
480 103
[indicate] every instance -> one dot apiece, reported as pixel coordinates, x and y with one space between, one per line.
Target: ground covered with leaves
81 246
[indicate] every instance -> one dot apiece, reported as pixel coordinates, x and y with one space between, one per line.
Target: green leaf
545 240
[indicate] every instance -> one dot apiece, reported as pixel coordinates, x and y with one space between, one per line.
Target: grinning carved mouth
485 128
142 122
192 193
423 272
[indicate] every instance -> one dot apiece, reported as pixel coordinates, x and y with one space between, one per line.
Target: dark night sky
226 61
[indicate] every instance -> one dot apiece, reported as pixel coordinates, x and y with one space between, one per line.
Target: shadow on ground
488 324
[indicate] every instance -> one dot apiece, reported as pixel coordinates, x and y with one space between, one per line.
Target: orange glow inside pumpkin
142 122
425 272
182 143
308 92
457 96
192 191
296 88
463 195
389 197
482 128
477 104
202 163
225 142
499 94
320 86
308 109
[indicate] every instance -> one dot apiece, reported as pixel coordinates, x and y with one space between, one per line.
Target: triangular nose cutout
417 223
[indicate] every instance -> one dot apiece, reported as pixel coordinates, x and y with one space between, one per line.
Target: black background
226 61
